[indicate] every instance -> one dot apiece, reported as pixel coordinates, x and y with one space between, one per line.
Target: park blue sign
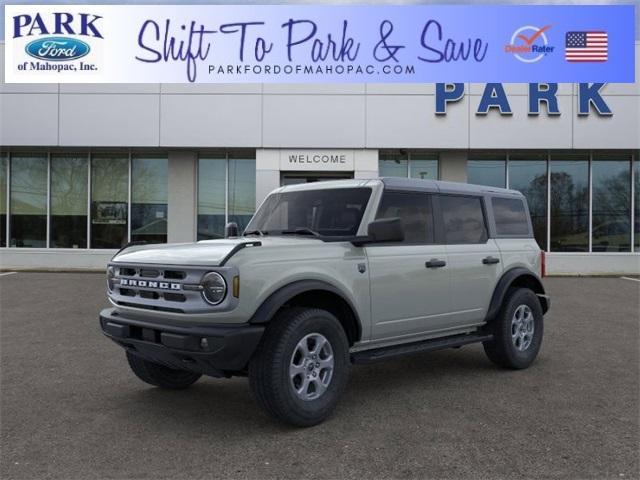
320 44
541 95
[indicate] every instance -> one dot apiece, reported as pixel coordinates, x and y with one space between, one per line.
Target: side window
510 216
463 219
414 209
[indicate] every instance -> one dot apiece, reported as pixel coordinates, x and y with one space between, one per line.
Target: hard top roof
401 183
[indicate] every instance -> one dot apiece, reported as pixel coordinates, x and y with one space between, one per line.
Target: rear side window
463 219
510 216
414 209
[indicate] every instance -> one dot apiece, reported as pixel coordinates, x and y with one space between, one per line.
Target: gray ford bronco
332 274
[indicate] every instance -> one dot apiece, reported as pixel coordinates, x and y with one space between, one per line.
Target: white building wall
303 116
182 196
355 118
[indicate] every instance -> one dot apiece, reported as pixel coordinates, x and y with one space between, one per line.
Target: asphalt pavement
71 409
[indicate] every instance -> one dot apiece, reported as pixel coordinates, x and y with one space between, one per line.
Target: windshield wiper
255 232
301 231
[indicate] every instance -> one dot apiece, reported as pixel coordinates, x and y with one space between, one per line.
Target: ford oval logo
57 49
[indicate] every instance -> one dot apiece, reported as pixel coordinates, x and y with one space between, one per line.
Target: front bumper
227 348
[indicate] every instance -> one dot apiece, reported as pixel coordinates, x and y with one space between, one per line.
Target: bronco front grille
154 288
173 289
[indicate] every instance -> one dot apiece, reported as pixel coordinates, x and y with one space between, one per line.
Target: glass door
294 178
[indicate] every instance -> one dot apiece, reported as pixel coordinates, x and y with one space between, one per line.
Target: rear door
514 233
409 279
474 258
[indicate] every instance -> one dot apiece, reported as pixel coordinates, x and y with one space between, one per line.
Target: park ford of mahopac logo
54 38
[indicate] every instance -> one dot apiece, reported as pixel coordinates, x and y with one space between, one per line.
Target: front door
410 279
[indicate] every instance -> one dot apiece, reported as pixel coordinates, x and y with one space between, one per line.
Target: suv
330 274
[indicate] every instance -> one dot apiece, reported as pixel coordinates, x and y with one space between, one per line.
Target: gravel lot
71 409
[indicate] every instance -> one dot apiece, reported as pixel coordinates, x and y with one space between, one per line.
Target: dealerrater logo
56 38
529 44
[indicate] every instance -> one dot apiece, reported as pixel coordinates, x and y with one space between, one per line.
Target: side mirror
385 230
231 230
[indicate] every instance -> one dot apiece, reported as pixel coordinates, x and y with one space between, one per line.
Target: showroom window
109 200
4 166
528 173
569 212
68 204
82 200
28 200
226 191
488 169
242 189
412 164
579 201
149 195
611 204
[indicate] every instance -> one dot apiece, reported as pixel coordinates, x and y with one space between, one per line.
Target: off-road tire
501 349
159 375
269 376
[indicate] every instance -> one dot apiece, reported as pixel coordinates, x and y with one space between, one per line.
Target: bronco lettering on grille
130 282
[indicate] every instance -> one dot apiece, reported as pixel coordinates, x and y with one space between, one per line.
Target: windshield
330 212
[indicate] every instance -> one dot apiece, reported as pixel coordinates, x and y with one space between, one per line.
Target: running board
386 353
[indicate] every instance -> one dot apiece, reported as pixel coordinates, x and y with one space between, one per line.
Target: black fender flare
507 280
280 297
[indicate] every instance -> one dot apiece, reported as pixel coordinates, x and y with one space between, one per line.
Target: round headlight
214 288
111 273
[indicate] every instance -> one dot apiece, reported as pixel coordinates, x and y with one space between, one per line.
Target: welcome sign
327 44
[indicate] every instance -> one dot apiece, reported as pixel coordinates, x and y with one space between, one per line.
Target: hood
211 252
207 252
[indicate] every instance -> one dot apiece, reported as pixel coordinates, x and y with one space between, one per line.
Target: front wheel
301 366
517 330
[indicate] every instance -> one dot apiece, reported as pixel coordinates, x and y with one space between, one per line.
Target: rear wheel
301 366
159 375
517 330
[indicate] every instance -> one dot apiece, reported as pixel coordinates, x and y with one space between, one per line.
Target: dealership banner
327 44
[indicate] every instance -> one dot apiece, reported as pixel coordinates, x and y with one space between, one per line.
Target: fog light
204 343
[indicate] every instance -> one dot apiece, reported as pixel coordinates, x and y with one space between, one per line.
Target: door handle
490 260
435 263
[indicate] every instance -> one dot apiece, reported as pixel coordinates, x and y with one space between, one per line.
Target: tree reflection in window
109 196
569 204
528 174
149 196
28 200
611 187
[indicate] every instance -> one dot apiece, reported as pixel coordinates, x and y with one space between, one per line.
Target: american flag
586 47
